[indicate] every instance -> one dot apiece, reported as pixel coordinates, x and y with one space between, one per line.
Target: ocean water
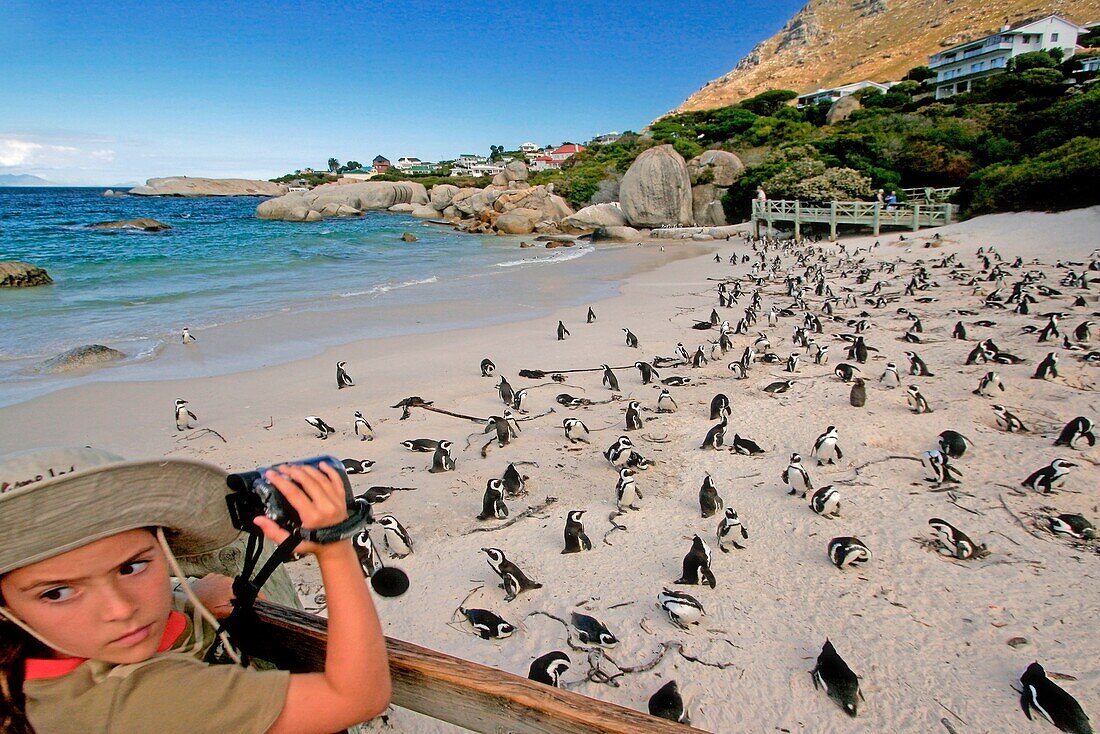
219 267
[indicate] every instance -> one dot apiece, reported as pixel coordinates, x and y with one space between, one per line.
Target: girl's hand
216 593
317 495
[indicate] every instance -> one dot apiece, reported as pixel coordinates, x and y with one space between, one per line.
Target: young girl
94 641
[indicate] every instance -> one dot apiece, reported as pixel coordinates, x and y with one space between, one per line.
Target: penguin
858 396
357 466
709 500
634 460
954 542
362 428
845 371
825 501
324 429
745 446
676 381
519 399
1050 477
665 403
591 318
1083 332
492 502
633 417
343 379
939 467
575 538
618 452
591 631
626 490
515 582
184 416
780 387
959 332
369 561
1047 368
487 626
681 352
575 430
917 402
609 380
848 551
683 610
699 359
549 668
647 371
1078 428
826 449
796 477
697 565
838 680
719 406
507 394
1050 330
953 443
421 445
730 527
715 436
1051 702
716 351
667 703
1008 421
514 482
917 367
186 337
890 377
442 460
1075 526
396 537
562 332
738 370
988 382
571 402
487 367
858 350
822 355
631 340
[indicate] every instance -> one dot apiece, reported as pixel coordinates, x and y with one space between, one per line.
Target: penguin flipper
1025 703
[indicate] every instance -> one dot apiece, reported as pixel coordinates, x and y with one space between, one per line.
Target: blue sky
109 93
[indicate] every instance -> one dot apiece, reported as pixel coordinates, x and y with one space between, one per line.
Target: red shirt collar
47 668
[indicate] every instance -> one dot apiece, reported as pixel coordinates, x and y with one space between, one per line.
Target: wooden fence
861 213
461 692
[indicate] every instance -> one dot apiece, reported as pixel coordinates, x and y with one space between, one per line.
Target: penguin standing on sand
826 449
562 332
487 367
1078 428
369 561
487 626
442 460
939 468
796 477
363 429
709 500
954 542
186 337
1008 421
716 436
826 501
618 453
575 430
1050 477
729 528
492 502
631 340
917 367
515 581
324 429
575 538
917 402
396 537
343 379
549 668
1051 702
507 394
184 416
959 332
514 482
890 377
719 406
683 609
858 396
609 380
626 490
647 371
1048 368
696 567
633 416
665 403
990 381
667 703
591 319
838 680
848 551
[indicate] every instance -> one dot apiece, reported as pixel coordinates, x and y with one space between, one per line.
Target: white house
565 152
529 148
1092 63
405 162
833 94
959 66
544 163
606 138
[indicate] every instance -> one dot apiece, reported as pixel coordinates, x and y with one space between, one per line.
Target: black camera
254 496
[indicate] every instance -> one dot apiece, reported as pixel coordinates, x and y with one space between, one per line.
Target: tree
333 164
1032 60
352 165
920 74
496 152
768 103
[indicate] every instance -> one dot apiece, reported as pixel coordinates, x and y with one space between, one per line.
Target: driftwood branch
614 525
199 432
1013 515
532 510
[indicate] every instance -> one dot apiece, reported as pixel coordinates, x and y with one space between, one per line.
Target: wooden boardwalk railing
930 195
458 691
864 213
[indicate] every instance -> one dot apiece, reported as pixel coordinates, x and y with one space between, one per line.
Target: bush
1032 60
768 103
812 180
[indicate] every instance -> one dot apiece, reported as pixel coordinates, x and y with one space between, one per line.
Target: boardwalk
862 213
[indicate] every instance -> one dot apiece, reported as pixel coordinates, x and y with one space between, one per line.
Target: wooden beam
462 692
916 217
875 224
832 221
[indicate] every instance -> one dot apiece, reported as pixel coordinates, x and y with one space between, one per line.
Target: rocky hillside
832 42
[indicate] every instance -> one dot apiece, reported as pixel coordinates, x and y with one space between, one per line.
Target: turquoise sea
220 266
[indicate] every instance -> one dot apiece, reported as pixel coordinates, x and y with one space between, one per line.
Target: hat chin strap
11 617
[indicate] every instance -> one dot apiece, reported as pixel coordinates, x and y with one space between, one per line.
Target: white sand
927 635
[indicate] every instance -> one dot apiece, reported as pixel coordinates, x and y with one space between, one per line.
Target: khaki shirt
174 691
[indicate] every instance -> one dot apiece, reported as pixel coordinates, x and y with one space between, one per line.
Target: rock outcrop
347 200
515 172
145 224
18 274
718 167
656 190
88 355
442 195
616 234
594 217
518 221
842 109
706 206
188 186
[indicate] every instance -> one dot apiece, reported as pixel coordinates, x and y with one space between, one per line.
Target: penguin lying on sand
838 680
549 668
487 626
667 703
1051 702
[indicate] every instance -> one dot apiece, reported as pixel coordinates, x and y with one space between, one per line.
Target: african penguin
730 527
1008 421
1077 429
682 609
575 538
609 379
745 446
825 501
858 395
442 460
845 371
423 445
487 626
492 502
647 371
591 631
366 553
989 381
838 680
917 402
186 337
719 405
184 416
507 394
633 416
796 477
591 318
1073 525
562 332
665 402
1047 368
709 500
696 567
715 436
890 377
549 668
1051 702
323 429
575 430
917 367
626 489
953 443
631 340
938 465
487 367
362 428
515 582
343 379
1049 477
826 449
667 703
514 482
954 542
848 551
396 537
619 452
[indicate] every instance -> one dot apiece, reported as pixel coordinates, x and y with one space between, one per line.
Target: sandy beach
928 635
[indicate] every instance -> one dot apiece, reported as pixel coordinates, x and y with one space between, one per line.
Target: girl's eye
60 593
131 567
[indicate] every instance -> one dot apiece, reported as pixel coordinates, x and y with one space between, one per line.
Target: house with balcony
380 164
833 94
958 67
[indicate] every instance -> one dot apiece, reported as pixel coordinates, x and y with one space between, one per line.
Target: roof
381 158
545 159
571 148
1011 29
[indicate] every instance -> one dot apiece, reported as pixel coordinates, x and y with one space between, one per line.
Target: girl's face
108 600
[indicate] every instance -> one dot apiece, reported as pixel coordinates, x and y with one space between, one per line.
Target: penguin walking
609 380
631 339
442 460
184 416
362 428
1048 368
1008 421
709 500
618 453
683 610
324 429
549 668
729 528
990 381
186 337
665 402
492 502
591 318
715 436
838 680
507 394
343 379
796 477
826 449
917 402
667 703
513 578
719 406
858 395
1077 429
591 631
954 542
1050 477
575 538
626 490
826 501
647 372
396 537
917 367
487 367
1075 526
848 551
890 377
633 416
575 430
1051 702
562 332
696 567
486 624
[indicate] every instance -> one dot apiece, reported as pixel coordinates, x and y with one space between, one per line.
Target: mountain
22 179
833 42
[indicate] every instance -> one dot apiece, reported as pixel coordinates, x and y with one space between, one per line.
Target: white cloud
17 152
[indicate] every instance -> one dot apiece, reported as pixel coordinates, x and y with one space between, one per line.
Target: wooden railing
457 691
930 195
863 213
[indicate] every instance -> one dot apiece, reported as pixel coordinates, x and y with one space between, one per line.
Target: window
1053 37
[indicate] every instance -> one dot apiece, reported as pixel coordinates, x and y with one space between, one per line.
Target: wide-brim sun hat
58 499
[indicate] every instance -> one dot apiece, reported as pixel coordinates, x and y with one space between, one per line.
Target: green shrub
768 103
